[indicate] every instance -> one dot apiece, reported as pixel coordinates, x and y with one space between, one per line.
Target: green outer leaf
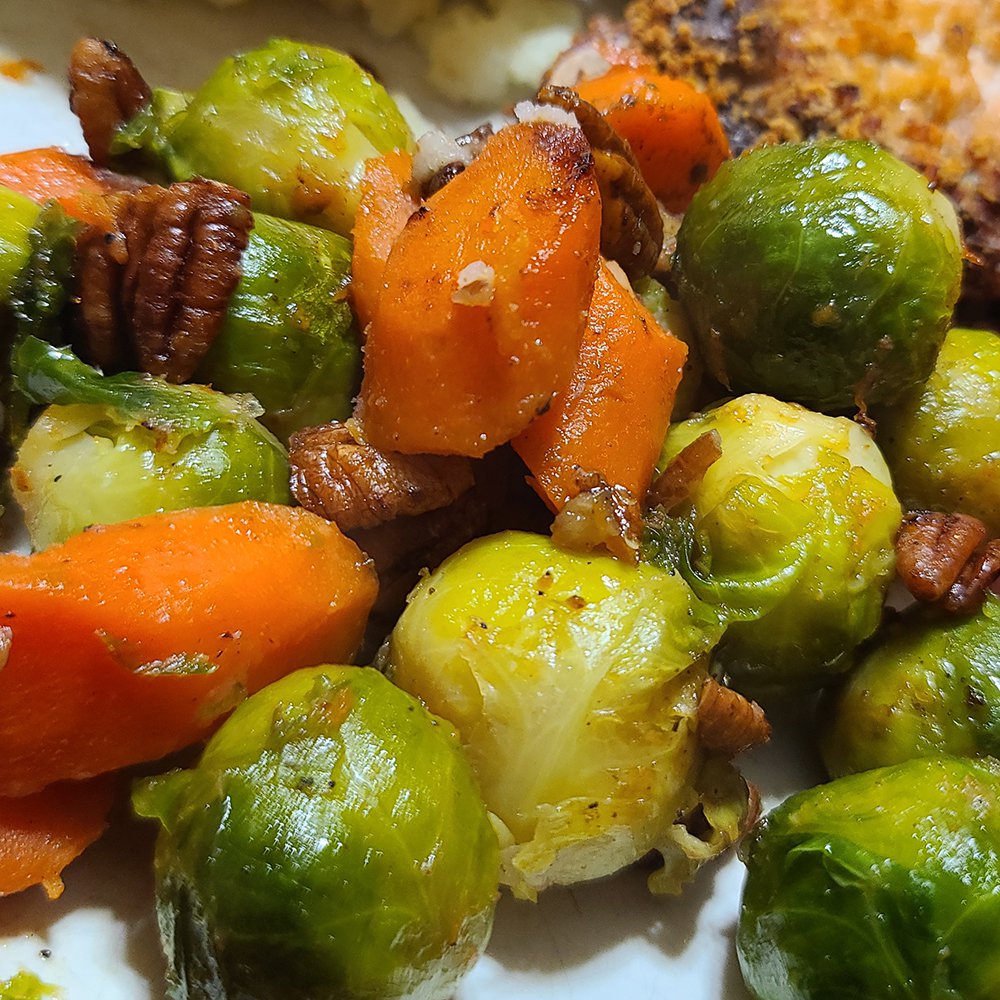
292 125
45 373
881 886
943 441
823 272
330 844
928 684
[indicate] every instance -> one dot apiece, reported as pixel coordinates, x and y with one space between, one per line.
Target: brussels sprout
574 683
930 685
118 447
291 124
880 886
289 337
943 441
790 535
330 845
18 217
670 315
822 272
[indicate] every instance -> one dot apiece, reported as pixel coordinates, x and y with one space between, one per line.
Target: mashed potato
478 53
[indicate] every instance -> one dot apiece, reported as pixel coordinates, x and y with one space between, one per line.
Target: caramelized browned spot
153 293
106 91
338 475
932 549
631 226
727 722
684 474
600 516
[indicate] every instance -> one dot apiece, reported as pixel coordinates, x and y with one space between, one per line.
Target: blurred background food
918 77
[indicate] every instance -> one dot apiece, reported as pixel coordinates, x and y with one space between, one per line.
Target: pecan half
153 293
686 470
727 722
631 225
599 516
980 573
338 475
105 91
932 548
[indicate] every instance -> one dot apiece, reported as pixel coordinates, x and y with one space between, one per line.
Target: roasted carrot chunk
485 297
41 834
129 641
386 204
673 129
52 174
614 414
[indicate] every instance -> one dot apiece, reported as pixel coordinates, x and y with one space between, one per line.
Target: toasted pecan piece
338 475
932 549
599 516
980 573
727 722
106 92
631 225
686 470
153 293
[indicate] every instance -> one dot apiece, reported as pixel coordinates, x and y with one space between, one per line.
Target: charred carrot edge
613 416
484 299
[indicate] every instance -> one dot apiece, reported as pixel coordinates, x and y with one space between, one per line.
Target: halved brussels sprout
883 886
290 124
930 685
118 447
289 337
331 843
822 272
790 535
943 441
573 681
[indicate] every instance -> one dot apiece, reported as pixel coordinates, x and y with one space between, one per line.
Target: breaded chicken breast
920 77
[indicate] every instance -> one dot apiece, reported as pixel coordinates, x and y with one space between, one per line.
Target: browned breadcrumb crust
920 77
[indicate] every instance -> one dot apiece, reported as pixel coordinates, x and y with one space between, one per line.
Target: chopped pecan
727 722
600 516
687 469
980 573
338 475
631 226
933 548
106 91
153 293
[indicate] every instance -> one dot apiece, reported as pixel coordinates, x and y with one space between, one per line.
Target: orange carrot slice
485 297
52 174
386 203
613 416
673 129
129 641
41 834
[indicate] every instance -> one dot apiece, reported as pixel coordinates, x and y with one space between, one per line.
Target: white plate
98 942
